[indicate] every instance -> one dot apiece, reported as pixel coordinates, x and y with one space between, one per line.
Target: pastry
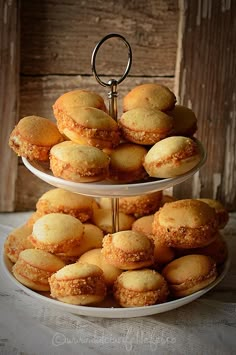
34 267
189 274
127 163
217 250
92 238
62 201
128 250
57 233
33 218
33 137
74 100
171 157
141 205
167 198
95 257
184 121
138 288
151 96
145 126
221 212
89 126
17 241
78 283
162 253
79 163
102 218
185 224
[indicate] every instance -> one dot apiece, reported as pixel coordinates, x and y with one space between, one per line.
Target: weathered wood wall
205 81
57 40
9 99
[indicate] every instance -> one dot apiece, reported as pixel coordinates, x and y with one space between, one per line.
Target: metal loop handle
94 54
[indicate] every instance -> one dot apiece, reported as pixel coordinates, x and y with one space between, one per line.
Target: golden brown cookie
17 241
127 163
184 121
189 274
63 201
185 224
33 137
57 233
138 288
128 250
78 283
95 257
89 126
149 95
92 238
79 163
221 212
217 250
145 125
102 218
34 267
162 253
171 157
141 205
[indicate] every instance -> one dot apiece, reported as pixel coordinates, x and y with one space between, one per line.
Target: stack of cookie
152 138
162 251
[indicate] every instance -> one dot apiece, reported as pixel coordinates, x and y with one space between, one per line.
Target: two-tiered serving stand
114 191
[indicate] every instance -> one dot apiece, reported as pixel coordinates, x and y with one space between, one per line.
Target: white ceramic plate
106 188
107 309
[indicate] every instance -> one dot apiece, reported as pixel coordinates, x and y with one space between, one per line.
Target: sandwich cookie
149 96
79 163
34 267
185 224
145 126
33 137
128 250
138 288
78 283
63 201
171 157
57 233
189 274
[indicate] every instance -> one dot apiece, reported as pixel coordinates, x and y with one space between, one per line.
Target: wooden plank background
205 81
9 100
187 45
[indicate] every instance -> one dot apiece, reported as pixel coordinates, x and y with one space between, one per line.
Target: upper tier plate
107 188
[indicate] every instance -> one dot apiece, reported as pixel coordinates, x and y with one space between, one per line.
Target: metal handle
112 83
112 96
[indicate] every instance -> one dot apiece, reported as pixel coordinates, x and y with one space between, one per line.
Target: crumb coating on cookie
141 205
91 285
60 247
79 174
184 237
140 288
95 136
189 150
192 285
33 137
17 241
25 149
124 259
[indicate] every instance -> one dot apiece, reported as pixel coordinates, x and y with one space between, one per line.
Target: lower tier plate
108 309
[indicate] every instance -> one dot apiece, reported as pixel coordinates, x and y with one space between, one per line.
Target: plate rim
105 189
111 312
